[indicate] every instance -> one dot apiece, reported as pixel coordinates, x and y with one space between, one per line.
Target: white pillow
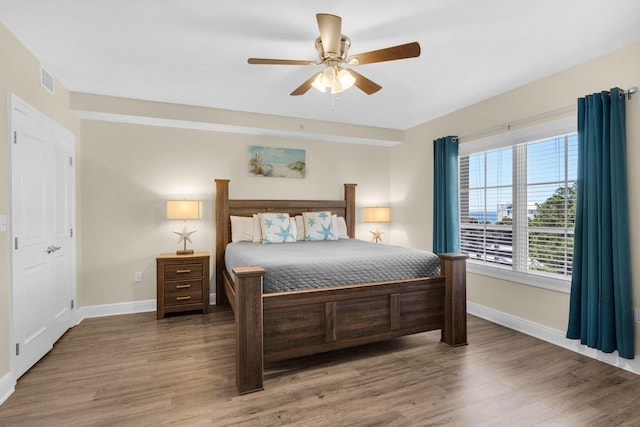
257 232
241 229
294 228
339 227
276 227
299 228
317 226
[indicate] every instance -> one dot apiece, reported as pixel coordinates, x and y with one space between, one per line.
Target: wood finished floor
133 370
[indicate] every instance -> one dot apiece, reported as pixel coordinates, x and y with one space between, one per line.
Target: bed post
454 268
249 332
350 209
222 236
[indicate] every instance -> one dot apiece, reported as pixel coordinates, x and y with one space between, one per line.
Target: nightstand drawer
178 298
182 287
182 271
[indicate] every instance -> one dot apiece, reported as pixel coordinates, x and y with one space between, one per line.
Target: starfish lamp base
185 236
377 235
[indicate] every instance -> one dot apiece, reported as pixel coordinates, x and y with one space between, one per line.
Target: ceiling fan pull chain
334 101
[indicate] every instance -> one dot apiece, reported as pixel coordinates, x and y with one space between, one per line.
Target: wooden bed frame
280 326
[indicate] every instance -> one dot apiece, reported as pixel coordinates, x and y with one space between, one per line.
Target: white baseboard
114 309
120 308
552 336
7 386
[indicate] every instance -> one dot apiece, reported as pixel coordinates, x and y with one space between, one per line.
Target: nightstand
183 283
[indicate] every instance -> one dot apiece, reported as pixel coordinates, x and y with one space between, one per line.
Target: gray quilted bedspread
316 264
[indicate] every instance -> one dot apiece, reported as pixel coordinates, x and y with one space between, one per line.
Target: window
517 203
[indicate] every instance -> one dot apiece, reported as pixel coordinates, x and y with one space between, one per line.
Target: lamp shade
377 214
184 209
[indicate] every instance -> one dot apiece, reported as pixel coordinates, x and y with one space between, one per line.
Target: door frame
14 103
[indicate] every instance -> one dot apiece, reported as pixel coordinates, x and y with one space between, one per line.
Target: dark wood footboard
280 326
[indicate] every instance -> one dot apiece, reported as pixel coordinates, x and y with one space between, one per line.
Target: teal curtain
601 310
446 214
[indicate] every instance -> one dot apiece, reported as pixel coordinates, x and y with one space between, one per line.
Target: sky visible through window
545 174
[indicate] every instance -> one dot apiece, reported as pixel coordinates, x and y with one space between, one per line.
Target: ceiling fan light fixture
346 79
318 85
333 81
336 88
328 76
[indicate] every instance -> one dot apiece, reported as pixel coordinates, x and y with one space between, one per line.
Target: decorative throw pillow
275 227
317 226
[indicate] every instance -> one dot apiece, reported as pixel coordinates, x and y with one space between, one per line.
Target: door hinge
17 349
15 136
16 243
71 232
72 304
70 161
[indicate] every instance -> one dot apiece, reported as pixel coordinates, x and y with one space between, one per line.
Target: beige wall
412 180
20 74
129 171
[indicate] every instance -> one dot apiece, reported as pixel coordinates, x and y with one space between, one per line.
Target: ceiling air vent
46 80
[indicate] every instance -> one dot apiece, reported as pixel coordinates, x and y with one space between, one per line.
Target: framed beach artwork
276 162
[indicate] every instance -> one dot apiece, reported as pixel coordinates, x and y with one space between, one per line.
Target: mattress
317 264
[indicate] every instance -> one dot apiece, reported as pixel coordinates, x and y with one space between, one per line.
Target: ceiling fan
332 47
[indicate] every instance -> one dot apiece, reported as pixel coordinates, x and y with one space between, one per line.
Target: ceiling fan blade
364 84
304 87
408 50
268 61
330 27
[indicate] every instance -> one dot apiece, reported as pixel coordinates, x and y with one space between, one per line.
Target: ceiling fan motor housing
345 44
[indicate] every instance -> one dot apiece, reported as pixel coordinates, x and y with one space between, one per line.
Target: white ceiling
195 51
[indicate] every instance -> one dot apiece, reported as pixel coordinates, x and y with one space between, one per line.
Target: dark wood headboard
225 208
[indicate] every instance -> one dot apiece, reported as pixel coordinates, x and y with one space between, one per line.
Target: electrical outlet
138 276
636 315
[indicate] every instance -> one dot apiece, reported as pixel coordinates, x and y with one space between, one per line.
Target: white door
42 201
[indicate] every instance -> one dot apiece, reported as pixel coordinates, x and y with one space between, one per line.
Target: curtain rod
629 92
556 112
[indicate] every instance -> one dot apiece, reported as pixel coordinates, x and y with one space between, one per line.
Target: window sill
539 280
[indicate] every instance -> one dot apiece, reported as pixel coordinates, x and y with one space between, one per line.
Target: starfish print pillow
317 226
276 228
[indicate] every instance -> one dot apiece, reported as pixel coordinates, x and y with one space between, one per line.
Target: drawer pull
183 286
188 270
183 298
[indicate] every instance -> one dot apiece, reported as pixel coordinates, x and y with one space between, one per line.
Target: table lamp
377 215
184 210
